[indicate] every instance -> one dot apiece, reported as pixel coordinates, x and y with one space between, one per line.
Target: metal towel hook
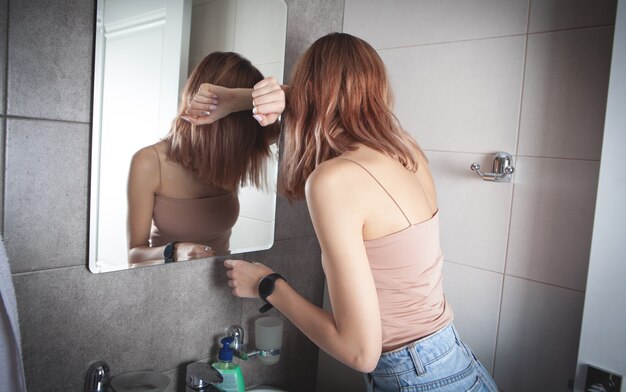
501 170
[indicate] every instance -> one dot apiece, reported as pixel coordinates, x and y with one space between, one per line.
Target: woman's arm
211 102
352 333
143 182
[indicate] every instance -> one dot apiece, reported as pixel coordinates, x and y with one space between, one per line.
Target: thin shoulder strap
158 160
381 185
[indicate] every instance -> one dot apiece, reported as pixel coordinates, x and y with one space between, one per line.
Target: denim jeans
438 362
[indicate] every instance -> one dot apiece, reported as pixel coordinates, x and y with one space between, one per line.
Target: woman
372 202
182 191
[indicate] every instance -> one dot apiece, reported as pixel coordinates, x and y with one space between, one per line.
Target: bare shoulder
331 178
145 159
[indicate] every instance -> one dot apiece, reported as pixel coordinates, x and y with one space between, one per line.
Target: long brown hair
231 151
339 96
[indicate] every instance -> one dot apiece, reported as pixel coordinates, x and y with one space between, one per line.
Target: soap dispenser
233 379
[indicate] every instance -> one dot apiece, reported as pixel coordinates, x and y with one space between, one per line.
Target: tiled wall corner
408 23
47 164
50 59
565 89
432 84
550 15
538 336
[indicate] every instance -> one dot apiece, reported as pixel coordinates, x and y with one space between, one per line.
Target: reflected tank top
407 271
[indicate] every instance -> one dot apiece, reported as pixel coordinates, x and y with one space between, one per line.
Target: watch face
168 252
266 287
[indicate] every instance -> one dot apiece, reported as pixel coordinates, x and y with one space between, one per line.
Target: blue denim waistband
421 352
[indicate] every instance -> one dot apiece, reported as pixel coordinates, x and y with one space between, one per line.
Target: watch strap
268 280
169 258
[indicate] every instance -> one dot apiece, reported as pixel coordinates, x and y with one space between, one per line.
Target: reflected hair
339 96
232 151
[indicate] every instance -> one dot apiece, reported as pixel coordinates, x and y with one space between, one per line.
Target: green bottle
233 379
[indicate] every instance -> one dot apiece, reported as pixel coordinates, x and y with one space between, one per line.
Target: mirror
144 53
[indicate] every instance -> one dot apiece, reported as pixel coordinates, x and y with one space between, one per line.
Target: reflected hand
189 251
244 277
268 100
205 107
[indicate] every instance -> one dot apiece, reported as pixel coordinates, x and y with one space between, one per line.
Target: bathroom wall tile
299 261
4 4
2 173
474 295
47 164
296 370
565 89
295 48
460 96
158 317
552 220
549 15
50 56
405 23
474 214
309 20
538 336
292 220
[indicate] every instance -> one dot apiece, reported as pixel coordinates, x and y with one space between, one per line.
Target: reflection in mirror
145 50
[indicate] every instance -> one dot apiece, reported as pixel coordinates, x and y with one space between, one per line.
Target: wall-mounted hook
501 170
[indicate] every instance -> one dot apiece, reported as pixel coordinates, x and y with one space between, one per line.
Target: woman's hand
268 100
244 277
189 250
205 107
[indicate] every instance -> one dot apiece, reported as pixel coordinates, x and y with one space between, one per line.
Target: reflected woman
182 191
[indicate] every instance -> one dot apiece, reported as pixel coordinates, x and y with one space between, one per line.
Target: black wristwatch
266 288
169 253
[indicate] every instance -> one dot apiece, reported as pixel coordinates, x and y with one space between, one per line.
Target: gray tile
296 370
50 59
299 261
4 4
295 48
149 318
547 15
46 201
2 152
309 20
292 220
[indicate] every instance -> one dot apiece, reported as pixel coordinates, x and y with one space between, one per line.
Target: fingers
201 120
265 82
232 263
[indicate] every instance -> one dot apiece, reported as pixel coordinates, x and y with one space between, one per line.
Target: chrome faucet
202 377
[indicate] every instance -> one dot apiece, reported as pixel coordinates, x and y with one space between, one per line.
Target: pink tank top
407 271
206 221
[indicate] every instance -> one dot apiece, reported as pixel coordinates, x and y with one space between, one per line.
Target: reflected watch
169 253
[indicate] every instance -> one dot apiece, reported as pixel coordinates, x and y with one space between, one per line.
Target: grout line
23 273
508 238
516 154
496 36
4 119
14 117
545 283
472 266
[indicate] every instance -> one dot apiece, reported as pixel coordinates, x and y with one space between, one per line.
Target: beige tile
538 336
461 96
547 15
474 295
408 23
474 213
552 220
565 89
